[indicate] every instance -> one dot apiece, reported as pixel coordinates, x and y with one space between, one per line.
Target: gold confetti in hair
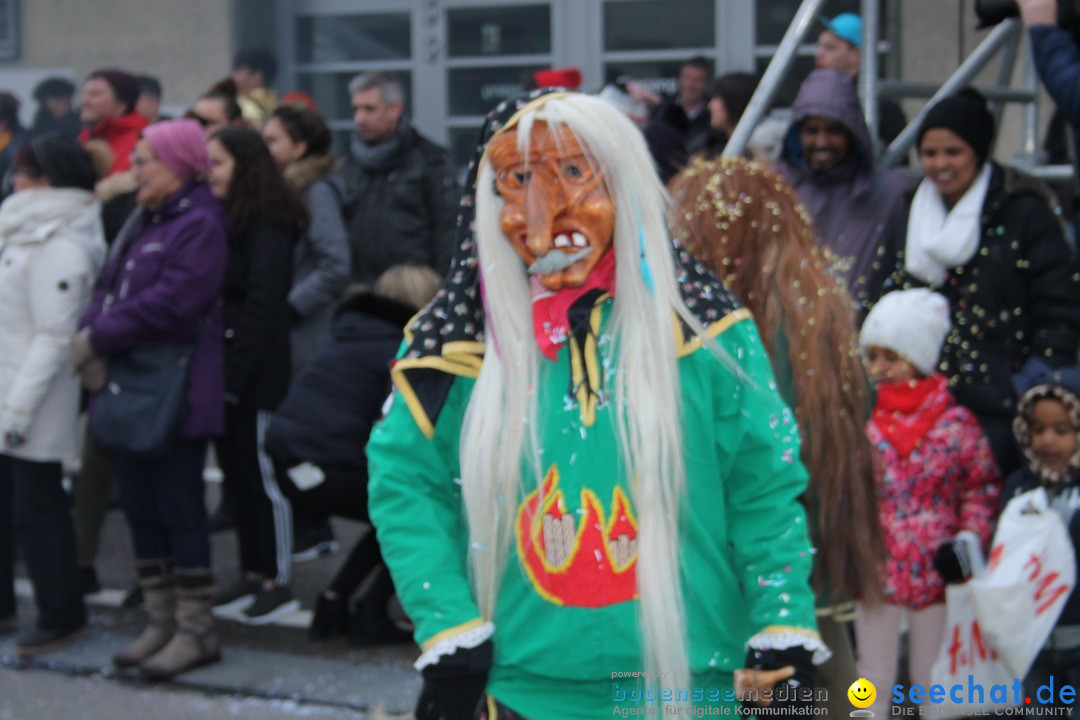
747 225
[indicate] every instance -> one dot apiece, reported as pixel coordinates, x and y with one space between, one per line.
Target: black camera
991 12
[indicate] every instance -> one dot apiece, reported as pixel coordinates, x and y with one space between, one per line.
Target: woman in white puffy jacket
51 250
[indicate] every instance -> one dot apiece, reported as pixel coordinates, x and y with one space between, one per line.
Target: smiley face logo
862 693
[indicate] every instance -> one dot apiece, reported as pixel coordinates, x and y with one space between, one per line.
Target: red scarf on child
906 411
550 323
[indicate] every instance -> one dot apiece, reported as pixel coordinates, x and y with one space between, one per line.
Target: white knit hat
911 323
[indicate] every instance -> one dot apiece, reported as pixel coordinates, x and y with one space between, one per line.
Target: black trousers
33 501
263 514
343 493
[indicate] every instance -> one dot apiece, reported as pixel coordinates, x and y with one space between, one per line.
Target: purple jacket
853 203
169 282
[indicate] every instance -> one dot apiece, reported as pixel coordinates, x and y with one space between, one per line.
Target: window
332 49
492 52
338 38
648 40
658 24
515 30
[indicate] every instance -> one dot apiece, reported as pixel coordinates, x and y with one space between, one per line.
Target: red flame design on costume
578 559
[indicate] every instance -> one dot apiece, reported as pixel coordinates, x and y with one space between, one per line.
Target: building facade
458 58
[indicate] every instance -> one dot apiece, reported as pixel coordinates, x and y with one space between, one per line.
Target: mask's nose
544 201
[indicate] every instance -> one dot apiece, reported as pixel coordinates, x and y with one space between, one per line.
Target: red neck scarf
906 411
550 323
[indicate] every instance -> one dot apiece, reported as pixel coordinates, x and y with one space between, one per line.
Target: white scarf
938 239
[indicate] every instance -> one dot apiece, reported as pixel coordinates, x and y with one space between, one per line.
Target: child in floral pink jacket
937 488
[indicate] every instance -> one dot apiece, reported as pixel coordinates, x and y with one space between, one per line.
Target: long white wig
500 426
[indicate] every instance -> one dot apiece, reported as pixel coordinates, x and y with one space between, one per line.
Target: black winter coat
332 405
257 283
1018 298
402 212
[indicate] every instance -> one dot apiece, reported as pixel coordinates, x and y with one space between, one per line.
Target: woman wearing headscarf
747 225
988 238
52 246
163 286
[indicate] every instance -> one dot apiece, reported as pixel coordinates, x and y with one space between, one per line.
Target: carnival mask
557 214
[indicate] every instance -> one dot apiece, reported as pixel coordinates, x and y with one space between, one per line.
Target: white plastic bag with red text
966 659
1029 576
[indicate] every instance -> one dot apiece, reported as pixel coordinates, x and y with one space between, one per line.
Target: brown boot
195 642
159 601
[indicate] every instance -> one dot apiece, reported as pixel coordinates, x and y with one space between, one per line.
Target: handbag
145 400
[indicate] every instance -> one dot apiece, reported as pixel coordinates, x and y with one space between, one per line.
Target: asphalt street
268 672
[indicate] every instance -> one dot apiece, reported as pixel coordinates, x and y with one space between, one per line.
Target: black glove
454 686
795 692
952 562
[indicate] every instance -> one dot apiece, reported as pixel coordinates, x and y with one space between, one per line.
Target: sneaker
271 602
39 640
230 603
313 541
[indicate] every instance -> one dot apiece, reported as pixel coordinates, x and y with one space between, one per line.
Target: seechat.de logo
862 694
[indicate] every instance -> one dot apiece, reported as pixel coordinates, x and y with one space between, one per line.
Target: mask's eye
513 180
573 171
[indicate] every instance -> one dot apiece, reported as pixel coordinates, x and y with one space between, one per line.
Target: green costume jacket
566 618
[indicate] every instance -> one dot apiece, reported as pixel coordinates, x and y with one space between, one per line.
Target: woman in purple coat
163 285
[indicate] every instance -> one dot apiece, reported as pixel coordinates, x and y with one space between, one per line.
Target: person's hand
750 684
1038 12
952 561
454 686
14 429
94 373
642 94
81 349
787 673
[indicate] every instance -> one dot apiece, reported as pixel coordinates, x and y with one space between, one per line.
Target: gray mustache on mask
555 261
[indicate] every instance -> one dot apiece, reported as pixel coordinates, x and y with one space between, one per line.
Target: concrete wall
186 44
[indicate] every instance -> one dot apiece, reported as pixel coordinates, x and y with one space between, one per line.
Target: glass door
492 50
334 41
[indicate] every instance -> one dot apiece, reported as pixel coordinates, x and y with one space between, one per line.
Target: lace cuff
783 637
468 638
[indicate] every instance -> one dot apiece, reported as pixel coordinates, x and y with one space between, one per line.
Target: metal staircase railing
1003 40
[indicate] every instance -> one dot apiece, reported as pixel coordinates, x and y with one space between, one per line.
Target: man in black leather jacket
400 194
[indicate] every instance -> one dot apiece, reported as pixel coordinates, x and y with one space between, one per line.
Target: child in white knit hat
937 489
